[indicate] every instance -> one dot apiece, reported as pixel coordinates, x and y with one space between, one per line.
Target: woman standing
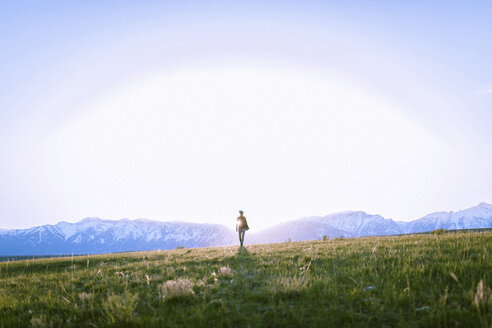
241 226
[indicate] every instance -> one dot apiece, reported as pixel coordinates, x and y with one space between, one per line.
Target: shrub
119 309
226 271
177 289
440 231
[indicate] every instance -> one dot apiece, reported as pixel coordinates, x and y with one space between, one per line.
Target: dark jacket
241 223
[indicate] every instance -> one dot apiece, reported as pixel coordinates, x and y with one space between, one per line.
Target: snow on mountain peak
360 223
437 214
482 210
70 229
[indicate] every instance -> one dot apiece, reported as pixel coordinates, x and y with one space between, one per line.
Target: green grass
22 257
440 280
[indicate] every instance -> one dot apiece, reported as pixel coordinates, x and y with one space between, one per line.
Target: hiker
241 226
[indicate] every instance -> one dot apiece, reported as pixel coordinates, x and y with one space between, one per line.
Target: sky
193 110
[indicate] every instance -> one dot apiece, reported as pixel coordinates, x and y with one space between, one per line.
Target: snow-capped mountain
359 224
93 235
346 224
362 224
479 216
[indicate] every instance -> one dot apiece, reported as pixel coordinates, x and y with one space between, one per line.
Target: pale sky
192 111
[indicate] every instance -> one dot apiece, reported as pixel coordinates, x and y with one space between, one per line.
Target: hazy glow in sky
193 111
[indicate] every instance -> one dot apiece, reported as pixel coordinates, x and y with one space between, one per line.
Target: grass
435 280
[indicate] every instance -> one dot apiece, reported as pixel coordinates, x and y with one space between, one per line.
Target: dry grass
177 288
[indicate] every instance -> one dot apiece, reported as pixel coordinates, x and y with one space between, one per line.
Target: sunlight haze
190 113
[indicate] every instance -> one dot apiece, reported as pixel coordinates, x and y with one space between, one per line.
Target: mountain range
94 235
361 224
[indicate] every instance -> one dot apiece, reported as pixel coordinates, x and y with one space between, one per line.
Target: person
241 226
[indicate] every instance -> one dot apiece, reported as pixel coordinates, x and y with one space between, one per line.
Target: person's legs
242 236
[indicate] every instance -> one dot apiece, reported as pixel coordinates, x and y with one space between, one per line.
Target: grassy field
440 280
